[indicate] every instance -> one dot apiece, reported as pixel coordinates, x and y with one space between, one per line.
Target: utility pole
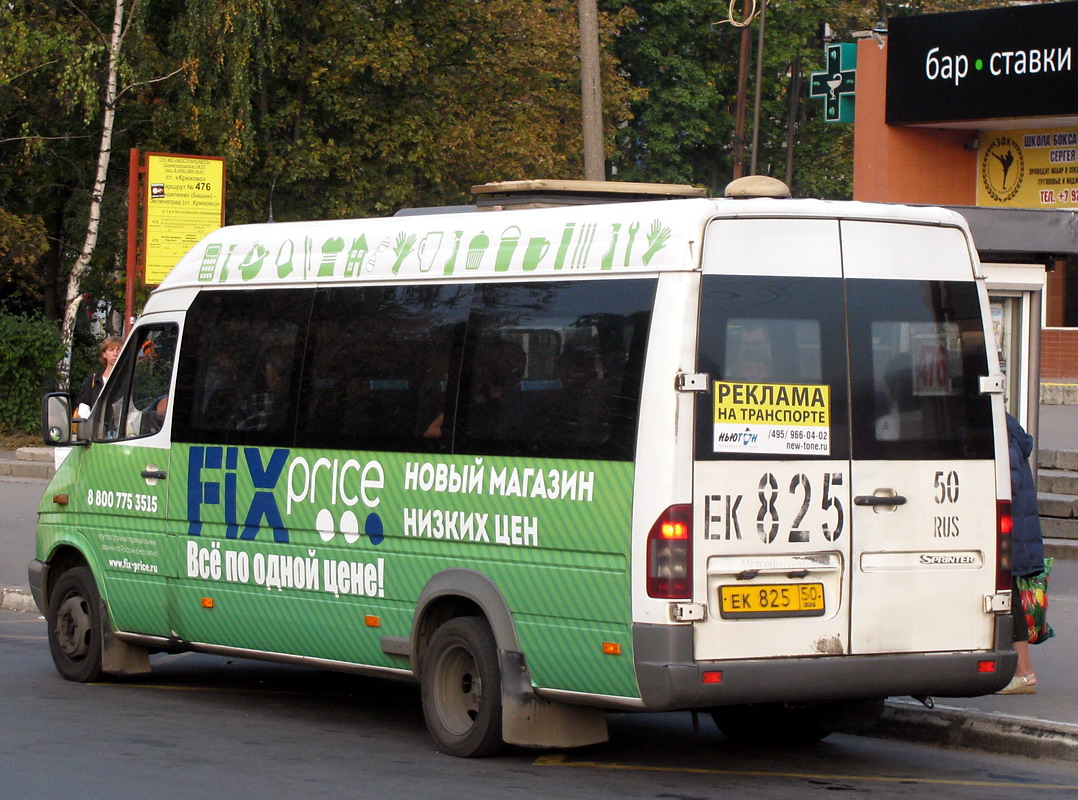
792 116
591 93
742 89
757 91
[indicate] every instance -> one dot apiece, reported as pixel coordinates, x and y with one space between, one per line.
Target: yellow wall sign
185 200
1028 168
772 418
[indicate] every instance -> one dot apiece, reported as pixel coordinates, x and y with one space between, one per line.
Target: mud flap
531 721
120 658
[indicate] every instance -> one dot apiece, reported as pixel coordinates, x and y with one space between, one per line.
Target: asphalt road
207 727
18 520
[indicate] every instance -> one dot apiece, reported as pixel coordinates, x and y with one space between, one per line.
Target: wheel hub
459 706
73 627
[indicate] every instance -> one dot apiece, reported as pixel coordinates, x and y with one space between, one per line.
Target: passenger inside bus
261 408
497 370
153 416
751 357
579 408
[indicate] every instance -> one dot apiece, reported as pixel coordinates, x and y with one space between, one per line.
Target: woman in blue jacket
1027 549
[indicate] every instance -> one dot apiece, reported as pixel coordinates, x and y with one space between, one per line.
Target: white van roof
570 241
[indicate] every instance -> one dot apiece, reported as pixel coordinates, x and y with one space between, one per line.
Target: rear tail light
1004 526
670 554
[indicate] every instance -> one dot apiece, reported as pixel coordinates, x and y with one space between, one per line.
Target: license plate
771 600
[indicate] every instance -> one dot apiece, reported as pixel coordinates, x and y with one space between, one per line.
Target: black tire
772 724
75 630
462 689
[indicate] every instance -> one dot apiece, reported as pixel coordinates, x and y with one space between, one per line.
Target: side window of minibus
379 370
136 398
238 378
554 369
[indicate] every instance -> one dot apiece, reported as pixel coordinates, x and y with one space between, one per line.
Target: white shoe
1025 684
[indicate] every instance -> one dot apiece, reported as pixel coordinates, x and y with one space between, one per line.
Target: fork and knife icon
586 238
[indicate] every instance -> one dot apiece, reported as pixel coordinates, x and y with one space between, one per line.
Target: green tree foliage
51 106
685 55
335 108
22 244
322 108
682 127
37 131
27 367
346 110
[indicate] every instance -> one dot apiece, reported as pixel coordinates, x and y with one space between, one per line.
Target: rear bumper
669 679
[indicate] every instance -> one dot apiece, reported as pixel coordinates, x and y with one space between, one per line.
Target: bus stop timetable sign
185 201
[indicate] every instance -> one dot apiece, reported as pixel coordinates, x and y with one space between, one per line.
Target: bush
29 357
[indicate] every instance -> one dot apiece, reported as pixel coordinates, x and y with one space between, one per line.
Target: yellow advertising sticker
772 418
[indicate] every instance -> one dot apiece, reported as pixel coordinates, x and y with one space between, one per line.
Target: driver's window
135 400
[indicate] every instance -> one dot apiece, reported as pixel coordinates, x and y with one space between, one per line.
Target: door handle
879 500
159 474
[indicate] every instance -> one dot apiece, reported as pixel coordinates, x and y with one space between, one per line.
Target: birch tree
114 43
124 14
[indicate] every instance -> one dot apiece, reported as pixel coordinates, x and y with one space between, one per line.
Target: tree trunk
82 263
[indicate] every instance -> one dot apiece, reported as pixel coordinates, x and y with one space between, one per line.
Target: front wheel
462 689
75 629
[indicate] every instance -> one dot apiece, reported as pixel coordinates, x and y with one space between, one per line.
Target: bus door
771 494
923 480
123 480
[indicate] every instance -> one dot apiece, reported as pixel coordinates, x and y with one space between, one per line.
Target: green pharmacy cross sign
836 85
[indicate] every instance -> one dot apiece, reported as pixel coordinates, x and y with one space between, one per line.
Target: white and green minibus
745 456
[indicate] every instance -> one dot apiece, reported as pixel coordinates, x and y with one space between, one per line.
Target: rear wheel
462 692
75 630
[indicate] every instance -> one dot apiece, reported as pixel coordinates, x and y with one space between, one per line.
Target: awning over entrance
1022 235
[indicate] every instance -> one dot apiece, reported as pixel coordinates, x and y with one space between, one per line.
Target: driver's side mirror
56 422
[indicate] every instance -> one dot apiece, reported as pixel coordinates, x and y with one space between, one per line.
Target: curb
14 599
26 469
964 728
1059 394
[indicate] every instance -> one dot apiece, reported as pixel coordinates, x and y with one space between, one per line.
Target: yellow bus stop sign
185 201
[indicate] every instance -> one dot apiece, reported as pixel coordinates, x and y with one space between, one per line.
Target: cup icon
535 252
506 247
476 248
